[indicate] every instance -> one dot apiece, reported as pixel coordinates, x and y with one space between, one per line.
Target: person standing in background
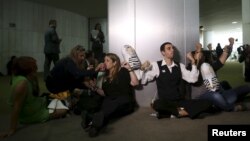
97 39
219 50
52 47
230 46
211 53
244 56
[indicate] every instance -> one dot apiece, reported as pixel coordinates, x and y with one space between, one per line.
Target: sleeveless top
34 109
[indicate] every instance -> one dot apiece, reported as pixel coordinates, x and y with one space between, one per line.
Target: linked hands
191 58
91 84
146 66
127 66
198 50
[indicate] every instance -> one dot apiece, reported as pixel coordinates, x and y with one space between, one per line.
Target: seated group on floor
105 91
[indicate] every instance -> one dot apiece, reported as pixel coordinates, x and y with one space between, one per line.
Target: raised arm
190 76
224 55
133 77
219 63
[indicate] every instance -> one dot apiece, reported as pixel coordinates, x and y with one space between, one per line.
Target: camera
242 48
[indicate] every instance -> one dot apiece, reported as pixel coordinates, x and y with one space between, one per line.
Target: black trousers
193 107
112 107
48 59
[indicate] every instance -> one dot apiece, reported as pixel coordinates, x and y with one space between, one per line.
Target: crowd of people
104 87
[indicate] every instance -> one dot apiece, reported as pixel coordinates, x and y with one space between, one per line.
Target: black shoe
86 120
85 127
213 110
160 115
93 132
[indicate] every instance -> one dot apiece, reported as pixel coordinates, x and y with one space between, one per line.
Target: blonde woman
117 90
69 73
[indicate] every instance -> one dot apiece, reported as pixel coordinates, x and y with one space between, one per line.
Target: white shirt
189 76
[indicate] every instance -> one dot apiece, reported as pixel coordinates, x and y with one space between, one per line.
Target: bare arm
224 55
19 96
187 75
134 80
133 77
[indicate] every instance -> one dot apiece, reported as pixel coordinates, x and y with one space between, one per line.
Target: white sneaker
173 116
153 114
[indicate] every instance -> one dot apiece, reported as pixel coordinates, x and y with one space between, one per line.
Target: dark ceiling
214 14
88 8
219 14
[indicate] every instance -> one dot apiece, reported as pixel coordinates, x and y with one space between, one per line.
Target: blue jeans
227 99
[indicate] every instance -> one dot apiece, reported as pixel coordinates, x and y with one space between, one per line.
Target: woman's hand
100 67
146 66
190 57
225 49
127 66
100 91
92 84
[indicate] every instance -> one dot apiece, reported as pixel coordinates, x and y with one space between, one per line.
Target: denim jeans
227 99
221 100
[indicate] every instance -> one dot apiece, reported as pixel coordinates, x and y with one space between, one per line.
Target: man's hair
162 48
52 22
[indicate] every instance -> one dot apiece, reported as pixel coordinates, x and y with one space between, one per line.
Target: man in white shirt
168 75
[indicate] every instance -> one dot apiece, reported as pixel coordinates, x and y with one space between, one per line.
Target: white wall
221 37
31 20
146 24
246 21
207 38
121 24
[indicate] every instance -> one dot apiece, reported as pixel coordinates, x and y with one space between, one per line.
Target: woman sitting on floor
117 91
209 88
27 107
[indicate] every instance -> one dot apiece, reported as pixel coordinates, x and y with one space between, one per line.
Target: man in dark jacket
51 48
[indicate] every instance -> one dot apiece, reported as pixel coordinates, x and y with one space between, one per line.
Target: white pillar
146 24
207 38
246 21
245 25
